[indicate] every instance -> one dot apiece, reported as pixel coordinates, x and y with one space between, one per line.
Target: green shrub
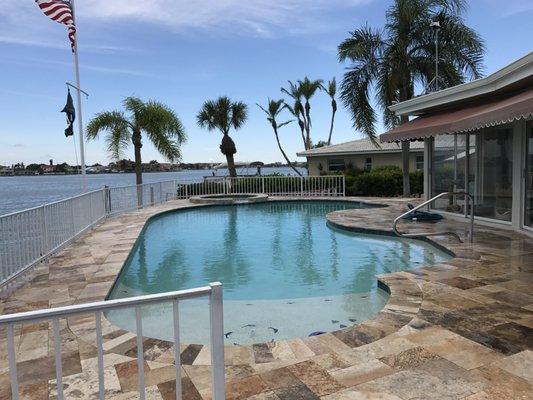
416 181
384 181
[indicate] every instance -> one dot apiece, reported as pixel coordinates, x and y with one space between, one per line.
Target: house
477 137
360 154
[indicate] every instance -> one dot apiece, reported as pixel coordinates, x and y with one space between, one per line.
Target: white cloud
21 21
259 17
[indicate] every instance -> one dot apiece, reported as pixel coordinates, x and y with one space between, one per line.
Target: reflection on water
264 251
279 263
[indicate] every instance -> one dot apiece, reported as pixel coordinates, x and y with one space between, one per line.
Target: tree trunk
137 145
227 147
231 165
302 131
283 152
308 124
334 110
405 95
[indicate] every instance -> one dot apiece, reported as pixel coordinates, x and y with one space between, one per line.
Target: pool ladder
469 200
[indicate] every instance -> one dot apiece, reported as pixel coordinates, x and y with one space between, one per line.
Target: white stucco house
361 154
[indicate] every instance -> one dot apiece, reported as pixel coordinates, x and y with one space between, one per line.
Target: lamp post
435 25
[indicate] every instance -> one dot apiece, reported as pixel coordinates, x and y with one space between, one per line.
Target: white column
519 149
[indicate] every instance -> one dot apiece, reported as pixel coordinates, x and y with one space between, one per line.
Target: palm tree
331 90
392 61
308 89
297 109
155 120
272 112
223 114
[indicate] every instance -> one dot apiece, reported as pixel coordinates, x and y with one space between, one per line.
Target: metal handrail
53 316
425 203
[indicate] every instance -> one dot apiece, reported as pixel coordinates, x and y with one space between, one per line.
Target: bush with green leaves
384 181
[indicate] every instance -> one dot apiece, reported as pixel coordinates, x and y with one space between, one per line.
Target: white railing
54 315
28 237
128 198
329 186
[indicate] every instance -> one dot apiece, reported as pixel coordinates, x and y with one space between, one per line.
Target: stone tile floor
458 330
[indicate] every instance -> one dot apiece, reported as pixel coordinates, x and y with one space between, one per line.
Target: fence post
216 314
344 186
44 227
152 199
301 185
107 200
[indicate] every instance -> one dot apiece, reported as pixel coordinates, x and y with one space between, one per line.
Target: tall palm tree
308 89
159 124
392 61
331 90
223 114
272 111
297 109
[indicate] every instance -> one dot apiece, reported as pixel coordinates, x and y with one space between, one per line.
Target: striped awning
465 119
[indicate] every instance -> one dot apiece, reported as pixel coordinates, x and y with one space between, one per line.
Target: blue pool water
280 264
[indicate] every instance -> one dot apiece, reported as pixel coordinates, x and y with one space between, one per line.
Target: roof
515 76
481 115
361 146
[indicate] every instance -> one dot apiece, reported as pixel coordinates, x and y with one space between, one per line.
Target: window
448 170
368 164
420 163
490 175
491 169
336 164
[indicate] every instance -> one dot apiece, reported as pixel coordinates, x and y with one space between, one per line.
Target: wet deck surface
460 329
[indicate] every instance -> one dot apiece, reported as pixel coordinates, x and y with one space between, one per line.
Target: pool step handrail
469 200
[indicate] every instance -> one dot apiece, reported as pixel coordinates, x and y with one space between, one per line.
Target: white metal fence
54 315
329 186
30 236
127 198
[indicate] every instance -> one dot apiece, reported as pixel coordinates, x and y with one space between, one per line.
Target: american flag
60 11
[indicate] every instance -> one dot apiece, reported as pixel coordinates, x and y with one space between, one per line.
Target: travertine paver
460 329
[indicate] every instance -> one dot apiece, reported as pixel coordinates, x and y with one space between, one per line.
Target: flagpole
78 91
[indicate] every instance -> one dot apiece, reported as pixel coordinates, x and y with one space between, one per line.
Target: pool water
285 272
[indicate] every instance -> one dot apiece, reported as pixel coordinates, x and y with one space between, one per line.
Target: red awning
466 119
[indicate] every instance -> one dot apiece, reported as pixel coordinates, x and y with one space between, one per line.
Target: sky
184 52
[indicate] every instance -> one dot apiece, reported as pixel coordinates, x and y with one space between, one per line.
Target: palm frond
163 128
239 114
355 90
222 114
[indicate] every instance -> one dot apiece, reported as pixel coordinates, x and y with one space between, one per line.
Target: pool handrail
469 200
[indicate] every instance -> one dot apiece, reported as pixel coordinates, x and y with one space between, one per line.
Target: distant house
361 154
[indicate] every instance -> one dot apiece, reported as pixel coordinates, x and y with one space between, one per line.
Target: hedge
386 181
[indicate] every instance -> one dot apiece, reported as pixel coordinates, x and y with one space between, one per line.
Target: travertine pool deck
461 329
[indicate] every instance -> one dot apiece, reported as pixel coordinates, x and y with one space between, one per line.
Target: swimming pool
285 272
